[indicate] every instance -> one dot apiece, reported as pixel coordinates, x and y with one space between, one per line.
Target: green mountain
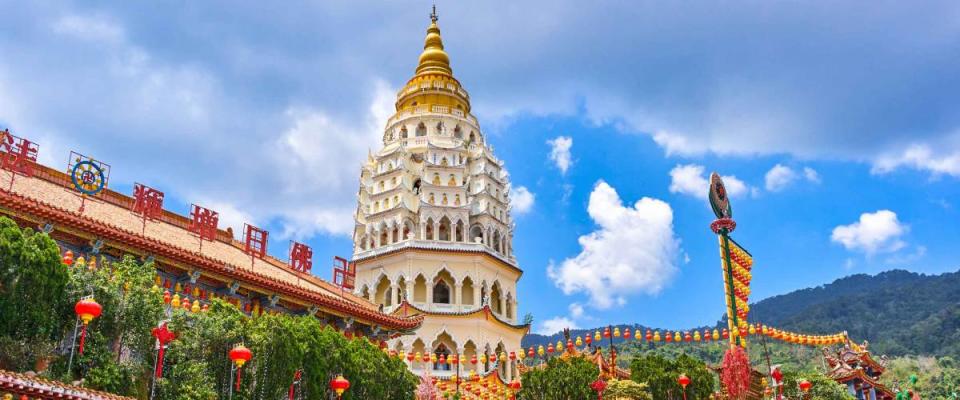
898 312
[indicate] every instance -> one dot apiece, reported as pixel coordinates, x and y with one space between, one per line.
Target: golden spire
434 59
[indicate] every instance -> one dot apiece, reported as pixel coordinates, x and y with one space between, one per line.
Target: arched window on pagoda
421 130
403 133
436 179
441 292
457 133
441 350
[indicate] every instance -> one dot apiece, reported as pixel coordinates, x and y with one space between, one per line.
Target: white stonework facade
433 230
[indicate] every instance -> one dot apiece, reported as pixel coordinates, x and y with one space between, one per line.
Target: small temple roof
39 388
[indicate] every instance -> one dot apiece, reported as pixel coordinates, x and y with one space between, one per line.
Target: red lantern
570 345
649 336
410 356
493 357
473 359
588 340
606 333
513 356
240 355
87 310
668 337
515 385
683 380
599 386
68 258
626 333
530 353
550 348
166 297
339 385
687 337
805 385
725 334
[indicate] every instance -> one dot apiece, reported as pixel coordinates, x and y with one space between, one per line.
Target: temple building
195 260
433 234
854 367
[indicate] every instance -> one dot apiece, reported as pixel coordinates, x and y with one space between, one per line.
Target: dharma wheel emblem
88 177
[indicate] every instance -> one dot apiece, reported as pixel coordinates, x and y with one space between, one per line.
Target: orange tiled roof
35 387
48 197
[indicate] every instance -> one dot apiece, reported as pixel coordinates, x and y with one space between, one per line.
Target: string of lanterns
688 336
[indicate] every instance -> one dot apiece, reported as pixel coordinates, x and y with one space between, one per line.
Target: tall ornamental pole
723 226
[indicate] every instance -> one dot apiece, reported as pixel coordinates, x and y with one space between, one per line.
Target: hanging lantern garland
163 336
735 375
86 309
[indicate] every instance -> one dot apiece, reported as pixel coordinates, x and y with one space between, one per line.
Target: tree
32 301
281 345
823 387
661 374
560 379
426 390
119 351
626 390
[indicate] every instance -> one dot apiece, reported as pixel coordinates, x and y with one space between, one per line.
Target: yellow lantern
176 301
616 332
541 351
196 306
433 357
752 330
696 336
656 336
579 341
597 337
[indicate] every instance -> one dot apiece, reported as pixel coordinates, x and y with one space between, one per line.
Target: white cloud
877 232
576 310
922 157
779 177
89 27
634 250
560 152
556 324
811 175
321 156
521 200
690 180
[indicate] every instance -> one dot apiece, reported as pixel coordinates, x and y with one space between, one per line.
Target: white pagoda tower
433 232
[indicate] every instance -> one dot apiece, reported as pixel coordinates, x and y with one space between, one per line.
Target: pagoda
433 234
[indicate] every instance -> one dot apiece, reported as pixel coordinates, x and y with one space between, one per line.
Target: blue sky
836 124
